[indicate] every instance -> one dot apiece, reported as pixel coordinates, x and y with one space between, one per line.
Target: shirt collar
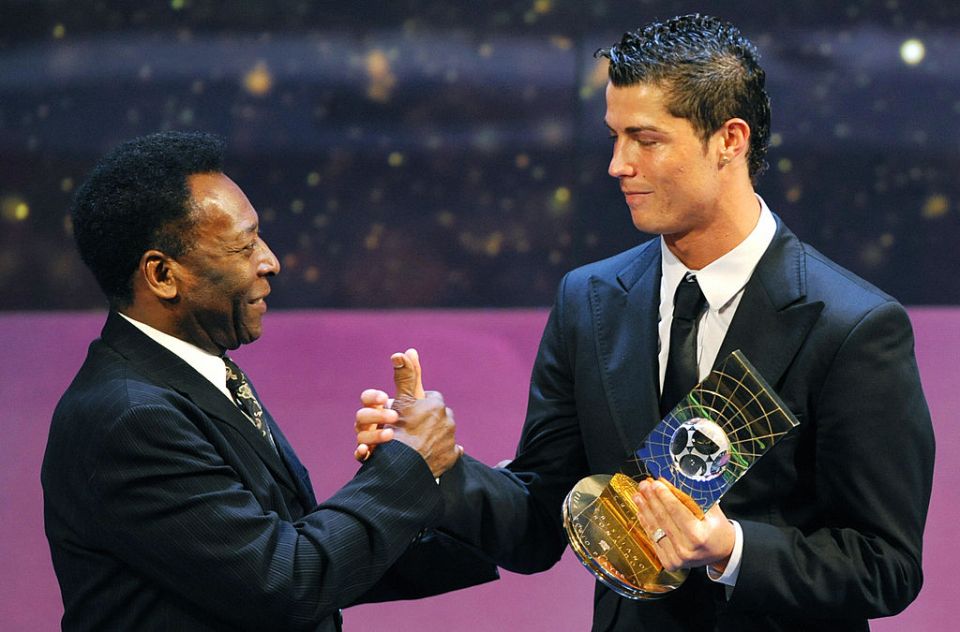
206 364
723 278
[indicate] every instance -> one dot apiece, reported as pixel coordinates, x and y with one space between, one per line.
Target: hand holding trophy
698 451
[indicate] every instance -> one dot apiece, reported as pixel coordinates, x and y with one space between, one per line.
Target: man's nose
619 166
269 264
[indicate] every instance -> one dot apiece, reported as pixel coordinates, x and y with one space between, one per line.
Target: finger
684 498
374 436
677 507
367 417
373 397
407 374
659 530
362 453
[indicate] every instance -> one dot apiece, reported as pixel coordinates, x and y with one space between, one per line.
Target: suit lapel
625 313
164 367
772 320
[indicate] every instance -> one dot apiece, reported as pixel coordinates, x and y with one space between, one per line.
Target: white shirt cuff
732 571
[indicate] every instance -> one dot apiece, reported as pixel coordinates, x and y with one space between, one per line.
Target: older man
173 500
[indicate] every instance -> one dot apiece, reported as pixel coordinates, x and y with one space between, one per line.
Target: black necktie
243 395
682 371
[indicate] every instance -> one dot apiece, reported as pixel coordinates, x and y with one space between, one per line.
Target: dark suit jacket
832 516
166 509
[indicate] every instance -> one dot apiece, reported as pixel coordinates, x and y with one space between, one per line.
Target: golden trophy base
601 522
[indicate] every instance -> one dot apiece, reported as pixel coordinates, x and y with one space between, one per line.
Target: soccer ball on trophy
700 449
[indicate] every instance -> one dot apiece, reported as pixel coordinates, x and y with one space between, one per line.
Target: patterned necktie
682 371
243 395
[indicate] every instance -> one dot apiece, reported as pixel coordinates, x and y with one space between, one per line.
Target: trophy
700 449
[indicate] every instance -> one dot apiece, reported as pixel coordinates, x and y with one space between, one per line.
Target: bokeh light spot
912 51
936 206
258 81
14 209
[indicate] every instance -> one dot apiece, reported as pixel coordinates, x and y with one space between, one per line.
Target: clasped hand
418 418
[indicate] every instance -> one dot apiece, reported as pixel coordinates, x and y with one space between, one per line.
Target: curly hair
710 73
137 198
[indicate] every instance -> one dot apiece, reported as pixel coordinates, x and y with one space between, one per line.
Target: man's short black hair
710 73
136 199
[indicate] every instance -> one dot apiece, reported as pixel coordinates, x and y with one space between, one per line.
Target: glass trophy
700 449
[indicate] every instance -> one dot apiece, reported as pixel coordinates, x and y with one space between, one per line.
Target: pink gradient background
310 367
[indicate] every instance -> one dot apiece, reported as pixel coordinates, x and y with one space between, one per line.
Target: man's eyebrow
636 129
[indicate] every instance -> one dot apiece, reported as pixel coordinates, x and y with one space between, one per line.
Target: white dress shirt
722 283
206 364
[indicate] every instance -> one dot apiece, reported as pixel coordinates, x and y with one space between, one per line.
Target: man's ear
734 140
157 273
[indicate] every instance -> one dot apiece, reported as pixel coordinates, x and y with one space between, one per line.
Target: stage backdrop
310 368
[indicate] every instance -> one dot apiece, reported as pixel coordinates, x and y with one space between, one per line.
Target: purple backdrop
310 368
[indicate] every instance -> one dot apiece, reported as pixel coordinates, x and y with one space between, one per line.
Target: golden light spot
485 50
14 209
177 5
66 185
493 244
936 206
561 42
258 81
794 193
311 274
68 225
59 30
784 165
290 260
776 139
296 206
556 257
321 220
382 80
522 161
542 6
313 179
886 240
372 240
395 159
912 51
596 79
561 195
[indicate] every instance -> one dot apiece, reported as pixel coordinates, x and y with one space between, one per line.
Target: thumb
407 374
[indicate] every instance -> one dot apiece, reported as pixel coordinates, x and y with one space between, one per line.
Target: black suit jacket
166 509
832 516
